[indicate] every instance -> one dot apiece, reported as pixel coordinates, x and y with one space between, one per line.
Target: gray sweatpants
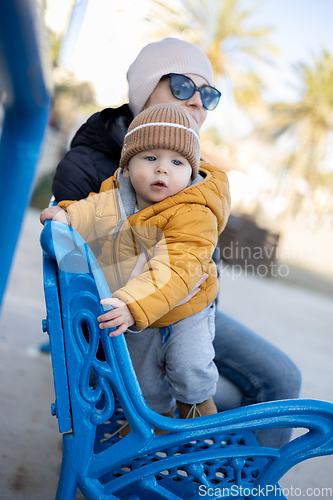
183 368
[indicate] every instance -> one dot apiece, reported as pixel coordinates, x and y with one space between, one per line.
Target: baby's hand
55 213
120 316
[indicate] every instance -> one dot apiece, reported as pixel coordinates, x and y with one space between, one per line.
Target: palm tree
221 29
310 119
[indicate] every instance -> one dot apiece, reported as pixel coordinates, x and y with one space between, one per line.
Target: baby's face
157 174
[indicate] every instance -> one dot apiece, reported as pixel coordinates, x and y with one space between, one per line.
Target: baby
153 228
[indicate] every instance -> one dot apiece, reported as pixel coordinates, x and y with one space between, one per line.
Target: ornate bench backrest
84 358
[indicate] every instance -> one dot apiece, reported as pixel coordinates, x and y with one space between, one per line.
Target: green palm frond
310 120
222 29
315 108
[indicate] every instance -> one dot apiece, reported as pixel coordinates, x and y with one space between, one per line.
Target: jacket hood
210 189
127 197
105 130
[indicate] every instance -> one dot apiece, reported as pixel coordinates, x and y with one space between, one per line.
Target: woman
173 71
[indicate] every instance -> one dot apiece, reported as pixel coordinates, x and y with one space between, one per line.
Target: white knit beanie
161 58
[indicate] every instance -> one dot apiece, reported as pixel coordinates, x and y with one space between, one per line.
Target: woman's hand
140 264
195 290
120 316
55 213
142 261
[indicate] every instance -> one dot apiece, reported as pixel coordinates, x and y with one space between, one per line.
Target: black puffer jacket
94 155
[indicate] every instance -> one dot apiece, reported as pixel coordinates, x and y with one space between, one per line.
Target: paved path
296 319
300 322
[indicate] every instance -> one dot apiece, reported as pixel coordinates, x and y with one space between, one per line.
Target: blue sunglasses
182 87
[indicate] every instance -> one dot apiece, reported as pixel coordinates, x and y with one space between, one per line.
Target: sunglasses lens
210 97
181 87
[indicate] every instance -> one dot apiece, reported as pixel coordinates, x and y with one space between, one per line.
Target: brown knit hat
163 126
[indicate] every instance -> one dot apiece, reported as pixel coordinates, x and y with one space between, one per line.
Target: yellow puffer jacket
179 234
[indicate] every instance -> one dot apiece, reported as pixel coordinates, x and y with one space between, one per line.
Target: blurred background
272 131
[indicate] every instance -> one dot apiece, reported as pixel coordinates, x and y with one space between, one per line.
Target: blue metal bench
208 456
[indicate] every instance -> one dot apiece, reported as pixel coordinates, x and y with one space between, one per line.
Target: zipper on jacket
117 229
114 236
